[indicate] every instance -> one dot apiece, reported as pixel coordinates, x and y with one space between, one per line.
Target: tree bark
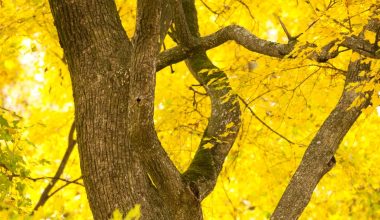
319 156
224 121
113 80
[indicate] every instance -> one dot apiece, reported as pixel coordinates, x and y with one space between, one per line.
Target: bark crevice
122 160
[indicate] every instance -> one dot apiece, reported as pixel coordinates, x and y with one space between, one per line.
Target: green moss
201 166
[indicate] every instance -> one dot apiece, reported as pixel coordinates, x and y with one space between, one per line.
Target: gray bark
319 156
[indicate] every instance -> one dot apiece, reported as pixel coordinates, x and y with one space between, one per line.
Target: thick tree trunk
113 80
122 160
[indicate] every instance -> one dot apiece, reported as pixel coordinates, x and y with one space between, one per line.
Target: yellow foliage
293 96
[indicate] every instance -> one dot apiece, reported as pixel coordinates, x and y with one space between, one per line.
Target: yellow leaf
370 36
134 213
355 56
208 146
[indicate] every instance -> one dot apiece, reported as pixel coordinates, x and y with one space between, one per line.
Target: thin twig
45 178
196 91
209 8
63 186
330 66
246 7
288 35
262 122
171 67
13 112
45 194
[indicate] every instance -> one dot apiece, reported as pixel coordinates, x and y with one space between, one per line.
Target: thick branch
185 33
222 128
251 42
147 32
224 122
319 156
232 32
166 19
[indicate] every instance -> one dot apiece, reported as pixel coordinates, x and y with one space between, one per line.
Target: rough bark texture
251 42
319 156
224 122
113 81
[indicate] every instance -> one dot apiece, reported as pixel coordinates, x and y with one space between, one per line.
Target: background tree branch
319 156
262 122
70 146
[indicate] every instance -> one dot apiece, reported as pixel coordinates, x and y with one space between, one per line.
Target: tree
113 78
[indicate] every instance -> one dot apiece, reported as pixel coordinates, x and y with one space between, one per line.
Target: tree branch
246 7
149 14
263 123
184 30
224 122
75 181
251 42
219 137
209 8
44 178
319 156
45 194
166 19
232 32
288 35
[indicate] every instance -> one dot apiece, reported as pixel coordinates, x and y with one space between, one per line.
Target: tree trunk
113 82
